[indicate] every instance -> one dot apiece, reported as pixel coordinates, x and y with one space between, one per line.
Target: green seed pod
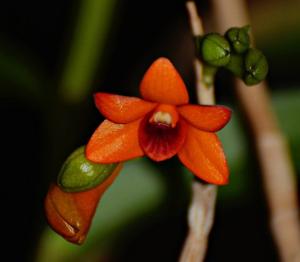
256 67
236 65
215 50
79 174
239 38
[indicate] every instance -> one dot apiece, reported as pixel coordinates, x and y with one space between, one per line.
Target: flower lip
160 141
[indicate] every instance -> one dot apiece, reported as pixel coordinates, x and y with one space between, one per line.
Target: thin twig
202 207
271 145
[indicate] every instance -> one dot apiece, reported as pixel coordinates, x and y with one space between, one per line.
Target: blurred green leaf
87 46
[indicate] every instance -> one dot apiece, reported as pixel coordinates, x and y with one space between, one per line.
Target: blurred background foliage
55 54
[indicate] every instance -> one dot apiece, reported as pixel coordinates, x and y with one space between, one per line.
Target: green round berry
239 38
256 67
79 174
236 65
215 50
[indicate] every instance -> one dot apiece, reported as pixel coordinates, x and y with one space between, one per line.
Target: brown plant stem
202 206
271 145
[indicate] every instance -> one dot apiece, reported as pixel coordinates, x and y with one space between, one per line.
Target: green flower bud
239 38
256 67
236 65
215 50
79 174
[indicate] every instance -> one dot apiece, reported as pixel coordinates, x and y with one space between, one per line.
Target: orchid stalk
278 173
202 207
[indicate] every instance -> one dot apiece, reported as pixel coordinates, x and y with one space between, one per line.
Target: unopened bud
239 38
79 174
256 67
215 50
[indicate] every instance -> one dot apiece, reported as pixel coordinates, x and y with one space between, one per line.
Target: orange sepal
163 84
203 155
122 109
207 118
71 214
112 143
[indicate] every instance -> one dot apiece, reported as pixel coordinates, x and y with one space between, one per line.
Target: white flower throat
162 118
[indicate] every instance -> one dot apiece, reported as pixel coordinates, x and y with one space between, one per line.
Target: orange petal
162 83
122 109
71 214
203 155
207 118
113 143
160 141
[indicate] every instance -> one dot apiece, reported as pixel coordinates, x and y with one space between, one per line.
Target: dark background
41 127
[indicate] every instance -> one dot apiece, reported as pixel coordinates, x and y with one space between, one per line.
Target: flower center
162 134
164 116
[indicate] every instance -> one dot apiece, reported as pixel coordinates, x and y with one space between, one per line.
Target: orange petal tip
163 84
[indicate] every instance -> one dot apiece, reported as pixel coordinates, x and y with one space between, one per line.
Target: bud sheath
70 214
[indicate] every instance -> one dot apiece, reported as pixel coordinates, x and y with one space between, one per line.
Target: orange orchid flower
161 125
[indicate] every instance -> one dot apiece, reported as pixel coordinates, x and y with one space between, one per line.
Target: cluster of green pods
233 52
